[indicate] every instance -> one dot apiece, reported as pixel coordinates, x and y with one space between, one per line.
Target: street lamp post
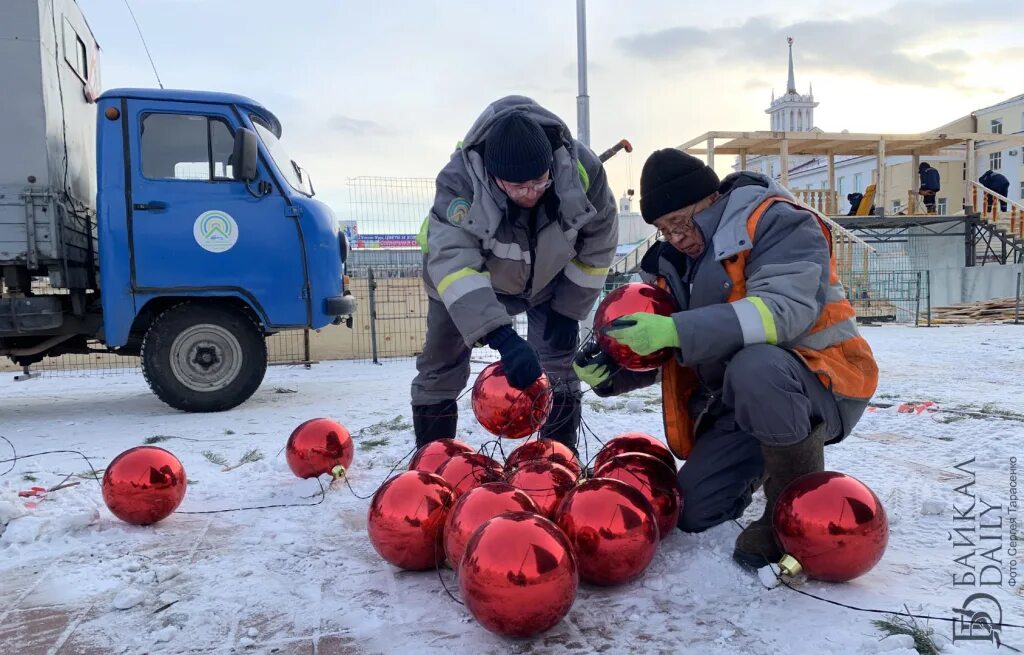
582 100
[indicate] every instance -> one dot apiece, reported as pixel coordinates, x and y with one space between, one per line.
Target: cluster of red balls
521 535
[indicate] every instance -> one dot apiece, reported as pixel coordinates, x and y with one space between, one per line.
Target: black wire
14 460
438 565
386 477
323 496
870 610
144 45
17 457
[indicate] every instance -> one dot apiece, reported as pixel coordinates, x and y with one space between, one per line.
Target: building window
839 187
186 147
857 179
75 53
895 206
995 160
1021 197
940 206
997 125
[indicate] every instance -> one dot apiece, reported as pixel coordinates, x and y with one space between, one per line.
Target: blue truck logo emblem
215 231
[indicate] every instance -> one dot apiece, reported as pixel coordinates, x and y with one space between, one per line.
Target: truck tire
199 357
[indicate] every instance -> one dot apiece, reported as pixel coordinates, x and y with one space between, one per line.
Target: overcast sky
388 88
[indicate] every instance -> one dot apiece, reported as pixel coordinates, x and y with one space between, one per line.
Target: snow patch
128 598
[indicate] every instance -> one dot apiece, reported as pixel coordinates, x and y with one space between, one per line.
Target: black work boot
433 422
756 545
563 423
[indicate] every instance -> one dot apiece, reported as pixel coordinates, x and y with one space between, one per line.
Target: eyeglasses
680 229
523 189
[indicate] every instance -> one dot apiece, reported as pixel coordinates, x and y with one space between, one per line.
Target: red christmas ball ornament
654 480
634 442
319 446
144 485
612 529
474 508
406 520
518 576
506 411
831 526
630 299
431 456
463 471
544 449
545 482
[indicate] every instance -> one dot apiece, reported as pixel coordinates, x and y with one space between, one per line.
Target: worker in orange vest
769 366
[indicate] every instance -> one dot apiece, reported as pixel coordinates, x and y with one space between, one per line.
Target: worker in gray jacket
769 365
523 221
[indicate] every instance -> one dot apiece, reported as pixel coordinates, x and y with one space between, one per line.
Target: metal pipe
582 100
372 287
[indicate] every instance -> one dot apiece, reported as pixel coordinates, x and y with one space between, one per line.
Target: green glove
643 333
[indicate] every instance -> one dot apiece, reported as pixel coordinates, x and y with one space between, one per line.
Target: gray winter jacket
787 271
476 248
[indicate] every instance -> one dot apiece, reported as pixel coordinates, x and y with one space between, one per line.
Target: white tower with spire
792 112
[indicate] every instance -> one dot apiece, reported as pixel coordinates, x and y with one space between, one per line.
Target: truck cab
210 239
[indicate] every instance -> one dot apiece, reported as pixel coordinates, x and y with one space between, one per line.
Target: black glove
518 358
596 369
561 331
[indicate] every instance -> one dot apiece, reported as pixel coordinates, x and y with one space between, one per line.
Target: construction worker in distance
998 183
769 366
523 221
930 185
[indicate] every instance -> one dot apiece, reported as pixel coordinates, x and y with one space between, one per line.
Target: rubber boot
433 422
563 423
756 545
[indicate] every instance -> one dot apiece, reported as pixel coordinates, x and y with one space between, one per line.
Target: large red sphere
545 482
431 456
630 299
317 446
518 576
506 411
144 485
612 529
654 480
541 449
634 442
406 520
463 471
833 524
474 508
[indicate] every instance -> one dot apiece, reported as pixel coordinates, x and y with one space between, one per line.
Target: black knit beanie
671 180
517 149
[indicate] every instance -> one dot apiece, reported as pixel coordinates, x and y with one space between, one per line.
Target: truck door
196 231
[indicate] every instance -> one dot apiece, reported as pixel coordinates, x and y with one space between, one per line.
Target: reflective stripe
831 335
835 293
588 277
756 321
512 251
457 284
584 176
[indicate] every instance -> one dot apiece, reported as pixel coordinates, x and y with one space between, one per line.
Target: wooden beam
743 160
915 161
880 185
784 161
711 152
832 204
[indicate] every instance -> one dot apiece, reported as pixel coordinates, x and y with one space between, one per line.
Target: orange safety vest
846 366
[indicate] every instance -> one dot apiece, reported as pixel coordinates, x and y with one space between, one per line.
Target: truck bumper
340 305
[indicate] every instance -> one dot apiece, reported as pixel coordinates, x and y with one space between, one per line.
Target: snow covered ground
73 579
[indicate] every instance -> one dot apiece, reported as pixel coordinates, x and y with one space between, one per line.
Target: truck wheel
203 358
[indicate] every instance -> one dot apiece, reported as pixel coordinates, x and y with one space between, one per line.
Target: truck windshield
280 156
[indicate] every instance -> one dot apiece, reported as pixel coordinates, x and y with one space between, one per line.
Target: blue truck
168 225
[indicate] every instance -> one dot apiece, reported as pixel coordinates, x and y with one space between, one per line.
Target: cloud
870 46
356 126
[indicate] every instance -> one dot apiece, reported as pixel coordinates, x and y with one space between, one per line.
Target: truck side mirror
244 155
